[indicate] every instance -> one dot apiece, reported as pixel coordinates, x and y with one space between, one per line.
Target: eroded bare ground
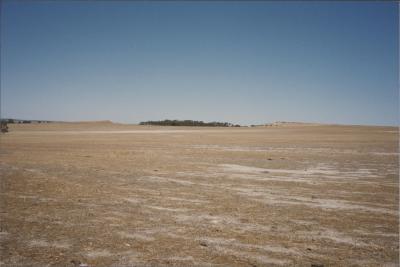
290 195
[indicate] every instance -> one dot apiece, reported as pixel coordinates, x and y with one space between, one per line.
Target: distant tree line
23 121
189 123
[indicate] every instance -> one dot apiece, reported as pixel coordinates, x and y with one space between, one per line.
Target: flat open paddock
107 194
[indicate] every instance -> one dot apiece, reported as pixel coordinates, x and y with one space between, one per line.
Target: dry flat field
106 194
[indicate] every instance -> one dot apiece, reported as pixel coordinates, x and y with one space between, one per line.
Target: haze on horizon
241 62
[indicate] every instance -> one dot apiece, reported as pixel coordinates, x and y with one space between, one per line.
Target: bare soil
106 194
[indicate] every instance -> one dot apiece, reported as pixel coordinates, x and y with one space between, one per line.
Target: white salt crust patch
45 243
139 236
98 253
309 171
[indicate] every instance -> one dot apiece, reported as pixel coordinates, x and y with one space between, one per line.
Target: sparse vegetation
4 126
215 196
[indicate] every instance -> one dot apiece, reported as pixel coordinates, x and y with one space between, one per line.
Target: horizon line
242 125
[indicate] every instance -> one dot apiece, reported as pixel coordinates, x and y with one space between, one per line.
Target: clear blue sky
242 62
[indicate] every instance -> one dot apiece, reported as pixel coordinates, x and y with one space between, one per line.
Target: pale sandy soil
107 194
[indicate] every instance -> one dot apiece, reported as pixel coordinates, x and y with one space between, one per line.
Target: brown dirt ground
110 194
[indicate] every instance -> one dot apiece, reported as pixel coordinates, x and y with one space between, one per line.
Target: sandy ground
105 194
